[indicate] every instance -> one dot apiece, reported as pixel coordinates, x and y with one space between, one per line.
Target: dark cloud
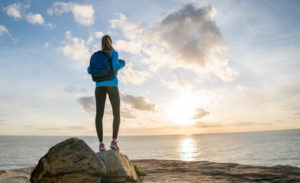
200 113
139 103
192 34
88 104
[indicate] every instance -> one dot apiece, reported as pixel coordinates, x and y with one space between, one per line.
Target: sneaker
102 147
114 145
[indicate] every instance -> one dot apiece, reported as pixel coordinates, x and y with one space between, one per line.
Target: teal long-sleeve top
116 66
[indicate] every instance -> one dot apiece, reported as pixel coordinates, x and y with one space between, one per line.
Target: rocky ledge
73 161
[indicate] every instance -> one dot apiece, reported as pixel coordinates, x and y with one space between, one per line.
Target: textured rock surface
191 171
118 167
211 172
69 161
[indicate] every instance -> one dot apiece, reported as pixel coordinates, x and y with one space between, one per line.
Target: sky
192 67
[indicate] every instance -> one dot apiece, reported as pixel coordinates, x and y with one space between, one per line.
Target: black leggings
114 97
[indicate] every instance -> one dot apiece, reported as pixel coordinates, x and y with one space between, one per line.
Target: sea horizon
255 131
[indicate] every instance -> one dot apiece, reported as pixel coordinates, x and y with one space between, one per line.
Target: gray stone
68 162
118 167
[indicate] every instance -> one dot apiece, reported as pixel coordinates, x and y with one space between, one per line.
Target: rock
118 167
68 162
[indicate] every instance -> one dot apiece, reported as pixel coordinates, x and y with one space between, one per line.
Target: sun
182 110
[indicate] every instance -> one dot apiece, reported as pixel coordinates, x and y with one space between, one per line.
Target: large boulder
68 162
118 167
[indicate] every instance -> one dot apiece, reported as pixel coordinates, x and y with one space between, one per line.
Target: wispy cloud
83 14
3 30
89 105
139 103
230 124
177 85
53 127
72 89
132 76
200 113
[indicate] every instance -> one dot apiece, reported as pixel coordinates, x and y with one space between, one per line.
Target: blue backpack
101 67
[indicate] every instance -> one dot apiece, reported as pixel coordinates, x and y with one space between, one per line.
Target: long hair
107 44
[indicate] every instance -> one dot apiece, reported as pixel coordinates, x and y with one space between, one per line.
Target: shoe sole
114 148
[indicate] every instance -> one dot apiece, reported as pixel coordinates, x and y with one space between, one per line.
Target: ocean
253 148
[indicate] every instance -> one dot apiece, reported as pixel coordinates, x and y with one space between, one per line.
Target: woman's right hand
121 60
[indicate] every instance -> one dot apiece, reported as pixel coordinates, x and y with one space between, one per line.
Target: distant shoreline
190 171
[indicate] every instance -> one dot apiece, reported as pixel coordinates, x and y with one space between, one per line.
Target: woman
109 87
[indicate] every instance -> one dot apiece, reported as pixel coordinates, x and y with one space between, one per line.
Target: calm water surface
255 148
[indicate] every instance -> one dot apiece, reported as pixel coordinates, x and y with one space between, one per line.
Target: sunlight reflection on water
188 150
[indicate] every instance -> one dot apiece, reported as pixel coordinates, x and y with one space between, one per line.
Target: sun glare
188 150
182 111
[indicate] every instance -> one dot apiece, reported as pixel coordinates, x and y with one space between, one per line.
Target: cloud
46 44
129 29
248 123
200 113
71 89
98 34
15 10
127 113
89 105
83 14
3 30
130 75
35 18
18 11
139 103
203 124
76 48
187 38
177 85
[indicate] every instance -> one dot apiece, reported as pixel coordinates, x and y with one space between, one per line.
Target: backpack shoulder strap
109 59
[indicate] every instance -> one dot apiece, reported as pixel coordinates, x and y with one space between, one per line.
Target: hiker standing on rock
104 65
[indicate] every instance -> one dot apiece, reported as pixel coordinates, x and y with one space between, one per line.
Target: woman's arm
89 69
115 61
